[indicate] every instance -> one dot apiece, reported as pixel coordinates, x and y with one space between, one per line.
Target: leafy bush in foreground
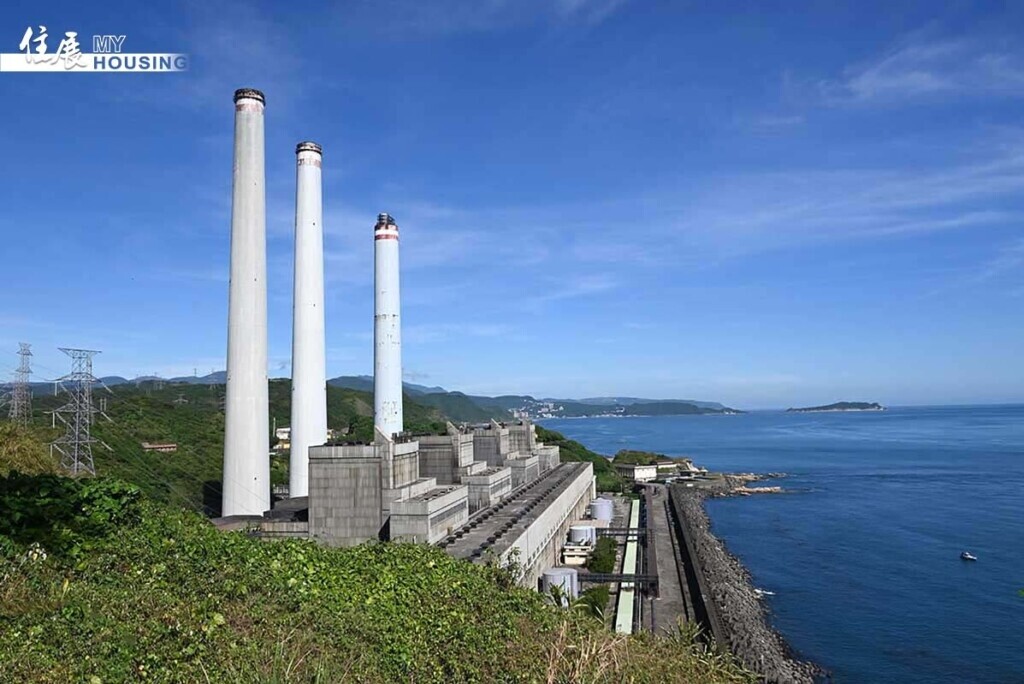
147 593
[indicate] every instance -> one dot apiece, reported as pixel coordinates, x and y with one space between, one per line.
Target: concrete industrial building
480 491
529 527
448 457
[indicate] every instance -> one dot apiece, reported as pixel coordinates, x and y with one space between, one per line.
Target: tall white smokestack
246 425
309 375
387 329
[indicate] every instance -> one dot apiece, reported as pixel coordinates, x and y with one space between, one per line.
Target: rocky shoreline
743 617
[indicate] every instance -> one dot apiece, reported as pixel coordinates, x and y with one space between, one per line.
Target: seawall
731 609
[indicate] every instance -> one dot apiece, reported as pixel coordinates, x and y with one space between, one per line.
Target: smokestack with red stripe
387 329
309 377
246 484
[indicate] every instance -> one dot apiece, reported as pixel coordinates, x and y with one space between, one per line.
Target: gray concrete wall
404 464
549 555
437 459
465 447
344 495
430 517
282 529
540 544
548 456
525 469
522 436
488 488
491 444
487 447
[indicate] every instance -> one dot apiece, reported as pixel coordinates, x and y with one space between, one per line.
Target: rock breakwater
741 614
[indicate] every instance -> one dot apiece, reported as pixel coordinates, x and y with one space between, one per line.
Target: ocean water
863 554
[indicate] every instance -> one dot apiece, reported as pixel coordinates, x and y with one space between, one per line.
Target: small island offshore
840 406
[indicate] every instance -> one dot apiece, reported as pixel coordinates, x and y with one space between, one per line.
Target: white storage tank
601 509
566 579
583 534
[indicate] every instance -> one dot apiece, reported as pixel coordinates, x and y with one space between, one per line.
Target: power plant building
477 491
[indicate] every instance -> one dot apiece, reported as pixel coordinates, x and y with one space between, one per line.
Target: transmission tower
75 447
21 392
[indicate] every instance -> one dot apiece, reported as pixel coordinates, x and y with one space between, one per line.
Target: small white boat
965 555
763 592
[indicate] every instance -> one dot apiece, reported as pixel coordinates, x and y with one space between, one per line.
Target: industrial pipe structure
387 334
246 484
309 376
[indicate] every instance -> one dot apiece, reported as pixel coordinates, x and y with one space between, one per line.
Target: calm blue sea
864 554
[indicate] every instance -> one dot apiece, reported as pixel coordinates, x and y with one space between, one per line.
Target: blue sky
760 203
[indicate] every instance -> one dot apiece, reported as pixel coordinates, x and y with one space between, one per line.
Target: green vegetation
603 558
62 514
572 451
671 408
631 457
595 600
98 584
24 449
192 417
460 408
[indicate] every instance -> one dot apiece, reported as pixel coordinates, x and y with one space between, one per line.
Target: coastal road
670 606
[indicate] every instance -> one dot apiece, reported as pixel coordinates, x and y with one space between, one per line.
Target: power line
21 393
75 446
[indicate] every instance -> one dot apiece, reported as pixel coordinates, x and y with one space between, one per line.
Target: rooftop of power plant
495 529
435 493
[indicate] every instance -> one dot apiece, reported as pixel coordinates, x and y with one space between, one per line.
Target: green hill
631 457
191 416
672 408
570 451
461 408
97 585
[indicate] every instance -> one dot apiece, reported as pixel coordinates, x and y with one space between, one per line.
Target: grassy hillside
98 585
460 408
570 450
24 450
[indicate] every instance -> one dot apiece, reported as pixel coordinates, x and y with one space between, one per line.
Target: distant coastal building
638 473
163 447
284 439
667 468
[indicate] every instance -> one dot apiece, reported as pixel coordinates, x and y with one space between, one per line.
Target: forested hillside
192 416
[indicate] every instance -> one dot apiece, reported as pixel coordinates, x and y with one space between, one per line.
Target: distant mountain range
476 408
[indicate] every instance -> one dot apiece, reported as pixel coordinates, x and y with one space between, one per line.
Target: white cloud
922 68
573 286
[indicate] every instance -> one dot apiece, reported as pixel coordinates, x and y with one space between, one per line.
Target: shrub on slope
24 449
146 593
570 450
